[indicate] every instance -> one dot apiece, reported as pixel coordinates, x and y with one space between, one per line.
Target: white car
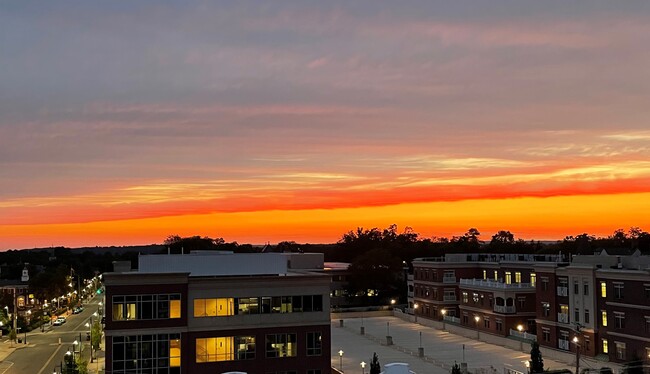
59 321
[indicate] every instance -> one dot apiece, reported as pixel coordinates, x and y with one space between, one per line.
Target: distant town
198 304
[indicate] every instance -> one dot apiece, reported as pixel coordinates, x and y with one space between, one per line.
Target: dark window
314 344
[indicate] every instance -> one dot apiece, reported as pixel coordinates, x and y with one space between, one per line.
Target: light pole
341 360
363 367
478 334
444 313
415 312
520 328
576 341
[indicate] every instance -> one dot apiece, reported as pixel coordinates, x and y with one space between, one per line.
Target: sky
125 122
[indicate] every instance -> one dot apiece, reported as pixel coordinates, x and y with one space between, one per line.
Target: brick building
215 313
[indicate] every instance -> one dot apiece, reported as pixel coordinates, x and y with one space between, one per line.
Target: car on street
59 321
78 310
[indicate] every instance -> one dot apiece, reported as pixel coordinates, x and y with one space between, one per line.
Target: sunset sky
123 122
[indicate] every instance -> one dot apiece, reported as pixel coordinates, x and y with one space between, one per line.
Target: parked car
59 321
78 310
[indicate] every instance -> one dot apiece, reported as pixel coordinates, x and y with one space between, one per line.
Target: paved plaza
441 348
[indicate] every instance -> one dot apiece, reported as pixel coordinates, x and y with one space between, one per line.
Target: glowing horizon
304 121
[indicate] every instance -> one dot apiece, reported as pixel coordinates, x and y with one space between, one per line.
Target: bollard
421 352
340 323
389 340
363 330
59 341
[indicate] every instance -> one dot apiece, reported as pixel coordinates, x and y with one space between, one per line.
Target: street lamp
478 334
341 360
444 313
363 367
576 341
520 328
415 312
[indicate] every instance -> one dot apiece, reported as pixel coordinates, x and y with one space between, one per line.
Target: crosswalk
5 365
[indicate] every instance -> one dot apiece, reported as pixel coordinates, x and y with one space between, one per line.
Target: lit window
603 317
175 353
603 289
533 279
484 274
496 275
174 309
517 277
508 277
605 346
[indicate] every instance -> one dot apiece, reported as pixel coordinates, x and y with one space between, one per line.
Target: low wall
368 314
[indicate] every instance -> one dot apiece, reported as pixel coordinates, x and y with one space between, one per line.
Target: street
43 353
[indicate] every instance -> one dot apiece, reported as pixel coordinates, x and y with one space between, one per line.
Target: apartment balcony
503 309
411 294
487 283
449 298
563 344
563 318
449 279
563 291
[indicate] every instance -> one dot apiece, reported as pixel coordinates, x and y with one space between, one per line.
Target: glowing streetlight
363 367
341 360
478 334
415 311
444 313
520 328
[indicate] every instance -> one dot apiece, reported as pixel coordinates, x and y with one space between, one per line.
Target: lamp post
444 313
363 367
341 360
576 341
478 334
520 328
415 312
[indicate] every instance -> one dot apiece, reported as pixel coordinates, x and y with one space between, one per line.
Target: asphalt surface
441 348
43 353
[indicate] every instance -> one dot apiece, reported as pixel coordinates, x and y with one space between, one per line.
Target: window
486 322
564 309
605 345
484 274
576 288
603 318
498 324
215 349
533 279
248 305
281 345
619 320
449 295
647 325
544 284
603 289
214 307
517 277
465 298
620 350
314 344
546 309
465 318
496 275
646 289
508 277
618 290
586 316
576 315
146 353
585 289
146 307
475 297
546 334
522 302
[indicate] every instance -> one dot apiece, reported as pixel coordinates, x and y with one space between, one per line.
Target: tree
96 334
502 238
375 368
12 335
455 369
536 361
